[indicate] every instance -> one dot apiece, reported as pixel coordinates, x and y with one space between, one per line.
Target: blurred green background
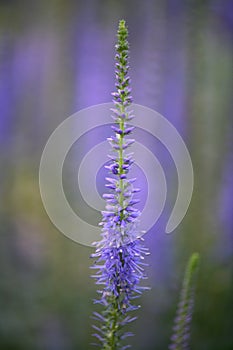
57 57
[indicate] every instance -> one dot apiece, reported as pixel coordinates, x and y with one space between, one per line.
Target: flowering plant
120 253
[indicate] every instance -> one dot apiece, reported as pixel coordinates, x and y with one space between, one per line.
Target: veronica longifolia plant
182 323
120 254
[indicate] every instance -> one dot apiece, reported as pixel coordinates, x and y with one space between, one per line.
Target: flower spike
120 253
181 334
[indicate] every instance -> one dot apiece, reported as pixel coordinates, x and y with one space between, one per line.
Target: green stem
121 197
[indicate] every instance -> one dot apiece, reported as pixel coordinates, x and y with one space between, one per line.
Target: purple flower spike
120 254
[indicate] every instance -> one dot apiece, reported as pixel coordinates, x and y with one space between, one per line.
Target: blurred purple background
57 57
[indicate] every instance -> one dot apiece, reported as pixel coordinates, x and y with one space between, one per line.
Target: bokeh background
57 57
